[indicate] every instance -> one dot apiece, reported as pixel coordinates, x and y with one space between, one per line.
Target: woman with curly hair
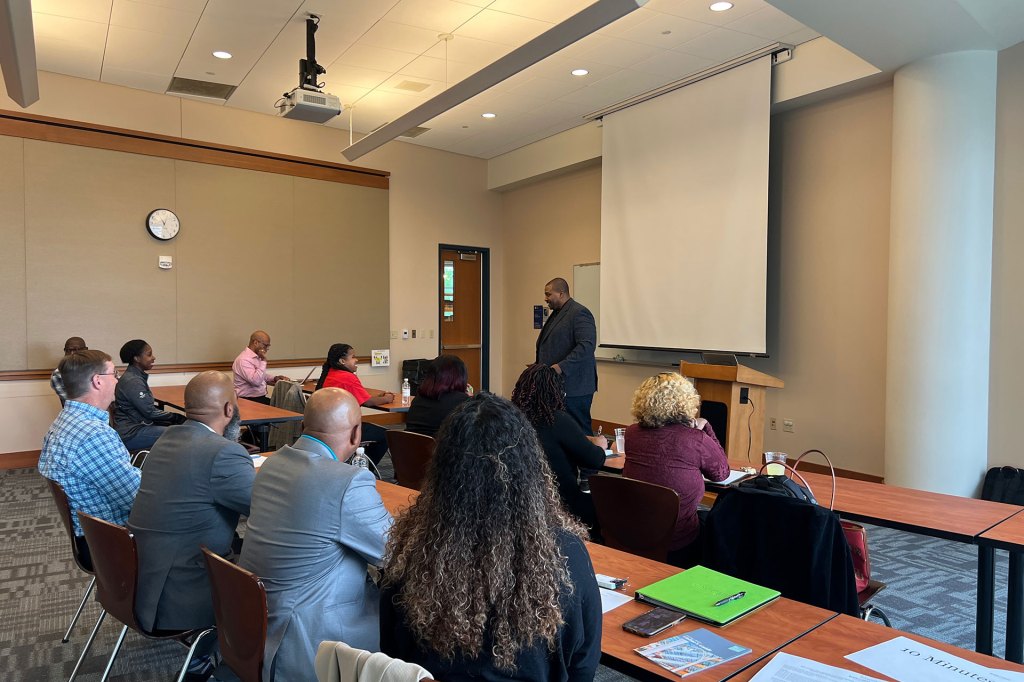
671 446
540 394
485 576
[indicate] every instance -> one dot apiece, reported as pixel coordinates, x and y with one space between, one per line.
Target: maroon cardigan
676 456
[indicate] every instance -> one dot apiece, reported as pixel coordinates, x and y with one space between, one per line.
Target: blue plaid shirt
88 459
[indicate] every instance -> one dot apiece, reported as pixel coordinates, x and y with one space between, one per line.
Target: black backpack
778 485
1004 484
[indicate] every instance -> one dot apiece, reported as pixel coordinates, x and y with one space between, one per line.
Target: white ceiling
374 49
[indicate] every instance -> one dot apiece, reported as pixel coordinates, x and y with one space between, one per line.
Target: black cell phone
654 621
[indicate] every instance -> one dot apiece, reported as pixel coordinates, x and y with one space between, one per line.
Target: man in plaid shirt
82 452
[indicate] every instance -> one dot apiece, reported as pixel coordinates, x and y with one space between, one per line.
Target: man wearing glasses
73 345
250 368
82 452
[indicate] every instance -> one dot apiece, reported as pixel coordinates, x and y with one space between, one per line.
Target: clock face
163 224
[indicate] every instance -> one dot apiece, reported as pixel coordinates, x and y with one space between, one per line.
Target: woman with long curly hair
540 394
485 576
671 446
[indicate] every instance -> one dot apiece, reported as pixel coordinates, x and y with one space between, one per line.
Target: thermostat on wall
166 262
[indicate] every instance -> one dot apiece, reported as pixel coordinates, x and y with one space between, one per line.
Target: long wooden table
961 519
394 406
764 631
844 635
1009 535
251 413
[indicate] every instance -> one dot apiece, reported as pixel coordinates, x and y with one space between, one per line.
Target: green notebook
695 592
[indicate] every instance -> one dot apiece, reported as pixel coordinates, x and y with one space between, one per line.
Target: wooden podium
723 384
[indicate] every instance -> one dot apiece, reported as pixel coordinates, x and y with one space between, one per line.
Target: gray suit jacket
315 525
195 483
568 339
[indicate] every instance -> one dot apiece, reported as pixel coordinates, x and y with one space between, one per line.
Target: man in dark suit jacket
566 344
196 481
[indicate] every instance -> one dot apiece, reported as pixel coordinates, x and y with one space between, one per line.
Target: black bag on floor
1004 484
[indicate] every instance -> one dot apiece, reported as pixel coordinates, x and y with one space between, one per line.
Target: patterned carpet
931 592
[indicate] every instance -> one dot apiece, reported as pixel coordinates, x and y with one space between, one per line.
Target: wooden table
1009 535
764 631
251 413
844 635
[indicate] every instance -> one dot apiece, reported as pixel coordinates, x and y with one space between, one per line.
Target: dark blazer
195 483
568 339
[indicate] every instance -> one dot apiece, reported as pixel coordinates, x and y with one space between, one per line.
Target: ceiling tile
379 107
722 44
557 69
86 10
673 64
698 10
441 16
505 29
153 82
146 17
799 36
70 46
343 74
542 10
767 22
393 85
399 37
545 88
612 51
627 22
377 58
468 50
665 31
144 51
615 88
194 6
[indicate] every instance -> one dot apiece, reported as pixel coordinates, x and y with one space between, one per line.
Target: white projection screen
684 217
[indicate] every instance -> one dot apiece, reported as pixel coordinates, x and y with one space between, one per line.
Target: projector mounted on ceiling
308 102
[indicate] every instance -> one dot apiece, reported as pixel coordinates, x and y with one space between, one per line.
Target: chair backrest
287 395
635 516
115 561
60 498
786 544
410 453
240 607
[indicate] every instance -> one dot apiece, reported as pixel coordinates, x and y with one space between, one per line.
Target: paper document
789 668
908 661
734 475
258 460
611 599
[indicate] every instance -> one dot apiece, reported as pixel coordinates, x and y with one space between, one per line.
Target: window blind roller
684 216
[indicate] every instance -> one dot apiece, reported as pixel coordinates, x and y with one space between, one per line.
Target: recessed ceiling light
221 54
720 6
579 72
488 115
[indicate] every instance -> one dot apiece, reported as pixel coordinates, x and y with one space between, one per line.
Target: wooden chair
82 561
635 516
240 607
115 560
410 453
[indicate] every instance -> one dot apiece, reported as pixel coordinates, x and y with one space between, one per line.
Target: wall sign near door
538 316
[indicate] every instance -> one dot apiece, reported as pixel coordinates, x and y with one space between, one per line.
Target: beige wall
1006 376
828 255
435 197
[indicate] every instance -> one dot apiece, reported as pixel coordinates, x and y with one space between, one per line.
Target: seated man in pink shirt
250 368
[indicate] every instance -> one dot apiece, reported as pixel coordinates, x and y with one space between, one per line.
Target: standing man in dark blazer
566 344
196 482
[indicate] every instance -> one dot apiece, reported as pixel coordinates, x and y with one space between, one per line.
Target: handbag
857 538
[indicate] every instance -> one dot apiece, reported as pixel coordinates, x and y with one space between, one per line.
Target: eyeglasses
116 374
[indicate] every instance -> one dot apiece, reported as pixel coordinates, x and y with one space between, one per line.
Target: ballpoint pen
733 597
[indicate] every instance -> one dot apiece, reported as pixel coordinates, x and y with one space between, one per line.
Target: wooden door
461 309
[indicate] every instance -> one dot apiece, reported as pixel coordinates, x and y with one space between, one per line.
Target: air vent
412 86
414 132
187 86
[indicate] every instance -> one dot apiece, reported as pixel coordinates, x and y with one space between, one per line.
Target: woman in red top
671 446
339 371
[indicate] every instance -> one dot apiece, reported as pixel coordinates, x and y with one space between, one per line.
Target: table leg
986 599
263 433
1015 609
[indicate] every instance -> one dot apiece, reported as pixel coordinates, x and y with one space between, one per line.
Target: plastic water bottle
359 459
406 392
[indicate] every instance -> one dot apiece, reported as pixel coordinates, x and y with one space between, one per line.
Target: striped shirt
87 458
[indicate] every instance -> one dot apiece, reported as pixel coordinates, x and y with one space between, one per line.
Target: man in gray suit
566 344
316 524
196 481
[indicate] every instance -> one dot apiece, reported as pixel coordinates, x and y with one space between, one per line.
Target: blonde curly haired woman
671 446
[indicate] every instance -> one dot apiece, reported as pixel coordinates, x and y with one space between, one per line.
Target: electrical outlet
787 425
405 333
414 333
744 395
771 423
394 333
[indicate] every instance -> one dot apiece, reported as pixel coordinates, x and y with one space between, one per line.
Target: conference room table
394 406
763 631
255 415
1009 535
949 517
